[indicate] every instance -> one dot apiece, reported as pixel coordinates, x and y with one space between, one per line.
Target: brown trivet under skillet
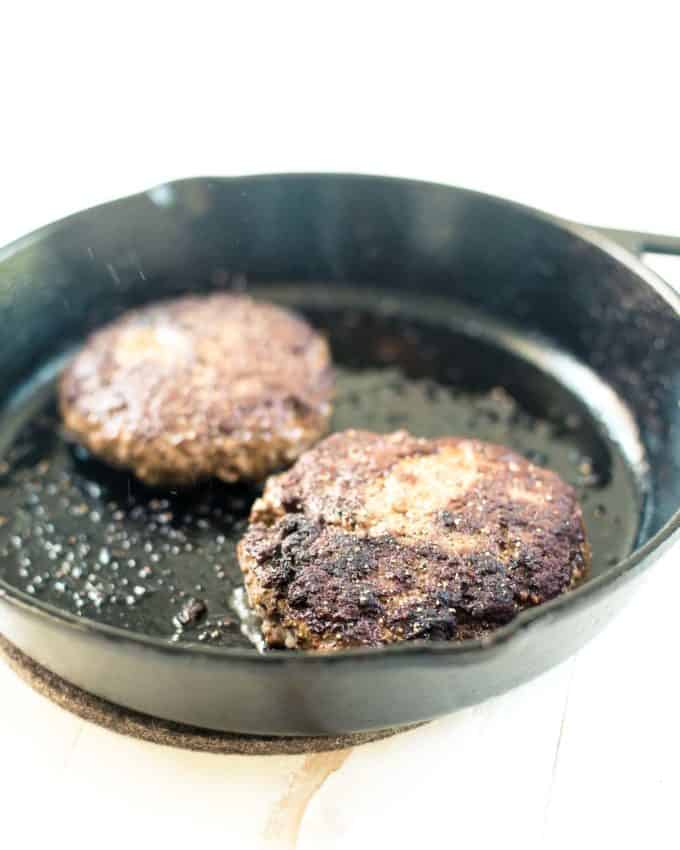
125 721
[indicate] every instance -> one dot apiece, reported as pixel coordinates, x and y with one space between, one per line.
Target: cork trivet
126 721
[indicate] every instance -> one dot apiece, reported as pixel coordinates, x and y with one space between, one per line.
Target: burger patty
201 386
370 539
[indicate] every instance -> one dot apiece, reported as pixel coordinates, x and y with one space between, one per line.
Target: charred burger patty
370 539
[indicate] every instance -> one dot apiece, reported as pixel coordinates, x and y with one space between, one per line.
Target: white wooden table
587 755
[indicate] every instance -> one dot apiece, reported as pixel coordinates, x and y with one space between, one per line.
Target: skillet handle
641 243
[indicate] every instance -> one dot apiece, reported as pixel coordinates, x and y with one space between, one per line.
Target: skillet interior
96 543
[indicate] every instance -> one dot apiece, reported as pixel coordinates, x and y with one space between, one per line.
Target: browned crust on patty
372 538
217 385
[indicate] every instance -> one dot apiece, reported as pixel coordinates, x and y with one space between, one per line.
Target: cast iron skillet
448 311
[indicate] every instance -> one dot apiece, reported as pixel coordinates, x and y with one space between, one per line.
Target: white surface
569 107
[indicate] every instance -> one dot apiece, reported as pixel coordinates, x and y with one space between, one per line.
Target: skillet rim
640 558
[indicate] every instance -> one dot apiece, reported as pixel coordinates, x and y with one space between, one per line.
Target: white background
571 107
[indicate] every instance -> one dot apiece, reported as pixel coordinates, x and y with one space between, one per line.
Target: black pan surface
97 543
95 567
